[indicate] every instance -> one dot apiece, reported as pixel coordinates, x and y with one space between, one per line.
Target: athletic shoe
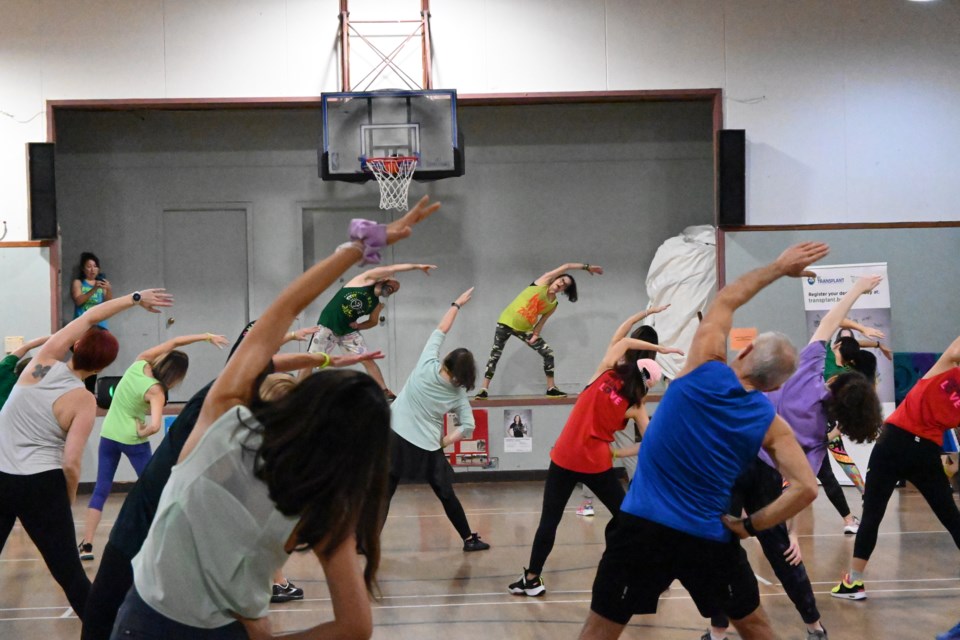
389 395
848 590
586 509
953 634
523 587
851 529
286 592
474 543
817 635
481 395
85 549
553 392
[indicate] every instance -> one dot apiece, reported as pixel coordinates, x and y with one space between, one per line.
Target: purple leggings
107 460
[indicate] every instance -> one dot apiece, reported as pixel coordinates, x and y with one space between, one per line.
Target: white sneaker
585 509
851 529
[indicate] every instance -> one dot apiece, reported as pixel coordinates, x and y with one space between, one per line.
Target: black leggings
556 492
110 587
760 485
900 455
832 488
40 501
444 492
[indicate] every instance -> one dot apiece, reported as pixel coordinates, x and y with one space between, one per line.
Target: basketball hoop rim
389 164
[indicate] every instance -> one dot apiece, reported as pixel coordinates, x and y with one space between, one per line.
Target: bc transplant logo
812 280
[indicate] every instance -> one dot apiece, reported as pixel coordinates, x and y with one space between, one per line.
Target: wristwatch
136 297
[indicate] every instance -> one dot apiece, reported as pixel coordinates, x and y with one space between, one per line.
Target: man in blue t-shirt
708 428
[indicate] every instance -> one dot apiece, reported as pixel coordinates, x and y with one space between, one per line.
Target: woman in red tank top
582 453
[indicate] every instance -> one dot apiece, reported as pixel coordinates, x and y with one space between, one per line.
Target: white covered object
683 274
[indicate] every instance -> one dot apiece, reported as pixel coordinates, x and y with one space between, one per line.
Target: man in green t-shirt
339 323
526 315
13 364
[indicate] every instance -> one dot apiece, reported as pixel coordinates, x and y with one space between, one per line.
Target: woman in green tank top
143 389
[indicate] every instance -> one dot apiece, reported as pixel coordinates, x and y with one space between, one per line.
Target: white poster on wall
872 310
517 430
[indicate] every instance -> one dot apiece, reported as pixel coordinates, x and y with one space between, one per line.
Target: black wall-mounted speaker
732 174
43 191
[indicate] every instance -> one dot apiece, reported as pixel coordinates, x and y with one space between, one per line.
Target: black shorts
642 558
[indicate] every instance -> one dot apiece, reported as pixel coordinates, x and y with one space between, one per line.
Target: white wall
849 105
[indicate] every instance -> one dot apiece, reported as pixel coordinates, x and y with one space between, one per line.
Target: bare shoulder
74 404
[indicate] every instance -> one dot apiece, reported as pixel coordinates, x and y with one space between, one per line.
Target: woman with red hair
44 428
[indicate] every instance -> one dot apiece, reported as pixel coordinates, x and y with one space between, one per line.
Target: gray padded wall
922 264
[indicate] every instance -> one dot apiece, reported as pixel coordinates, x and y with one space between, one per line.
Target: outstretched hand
653 310
867 283
355 358
218 341
302 335
152 299
426 268
794 261
665 350
399 229
595 270
464 297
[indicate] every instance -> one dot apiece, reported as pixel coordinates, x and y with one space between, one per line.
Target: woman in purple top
808 406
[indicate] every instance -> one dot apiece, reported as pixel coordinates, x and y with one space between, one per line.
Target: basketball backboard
357 126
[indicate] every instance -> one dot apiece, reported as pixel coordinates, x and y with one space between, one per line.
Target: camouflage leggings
500 338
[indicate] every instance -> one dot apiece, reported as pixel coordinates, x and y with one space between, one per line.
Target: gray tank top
31 440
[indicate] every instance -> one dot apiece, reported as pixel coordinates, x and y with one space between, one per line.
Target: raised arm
869 332
782 446
838 313
163 349
380 273
616 351
58 345
627 325
235 384
949 359
549 276
27 347
710 340
447 321
310 361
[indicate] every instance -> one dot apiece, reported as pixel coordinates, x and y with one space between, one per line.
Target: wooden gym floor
432 589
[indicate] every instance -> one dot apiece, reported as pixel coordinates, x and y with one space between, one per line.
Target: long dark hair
324 459
855 407
634 386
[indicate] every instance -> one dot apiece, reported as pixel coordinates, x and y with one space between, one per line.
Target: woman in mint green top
126 429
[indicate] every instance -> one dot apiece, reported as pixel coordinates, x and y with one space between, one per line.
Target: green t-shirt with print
348 304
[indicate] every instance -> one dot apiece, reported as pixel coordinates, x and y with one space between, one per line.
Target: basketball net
393 175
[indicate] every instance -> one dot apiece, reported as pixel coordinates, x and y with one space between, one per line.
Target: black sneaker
474 543
848 589
286 592
481 395
389 395
523 587
85 549
553 392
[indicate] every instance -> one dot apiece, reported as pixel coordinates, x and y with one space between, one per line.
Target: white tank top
217 538
31 439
